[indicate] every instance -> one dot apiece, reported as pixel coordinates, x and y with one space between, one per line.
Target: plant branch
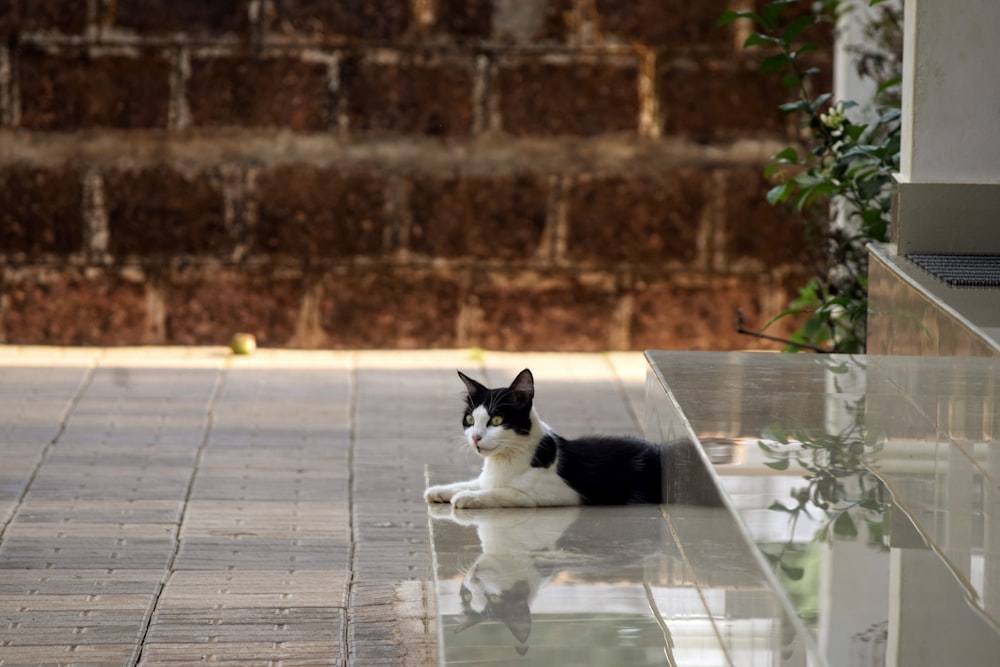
740 329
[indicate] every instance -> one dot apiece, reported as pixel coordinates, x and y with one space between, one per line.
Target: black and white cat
527 465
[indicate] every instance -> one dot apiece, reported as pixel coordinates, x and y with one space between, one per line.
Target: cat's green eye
496 420
470 420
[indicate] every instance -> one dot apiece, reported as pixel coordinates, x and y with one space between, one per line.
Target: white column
949 178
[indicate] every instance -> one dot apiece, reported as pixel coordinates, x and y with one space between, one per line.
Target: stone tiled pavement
180 505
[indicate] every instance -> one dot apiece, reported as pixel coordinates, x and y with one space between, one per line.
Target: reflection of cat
523 550
503 582
527 465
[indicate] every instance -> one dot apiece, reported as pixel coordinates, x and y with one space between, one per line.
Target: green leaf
792 572
793 29
891 83
778 507
777 433
821 100
779 193
815 191
869 187
813 328
790 81
811 71
780 464
801 495
787 156
889 116
876 531
788 312
844 526
797 105
854 132
758 38
730 16
775 63
772 12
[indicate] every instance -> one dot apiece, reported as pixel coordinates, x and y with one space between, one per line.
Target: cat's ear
523 386
476 390
467 621
520 626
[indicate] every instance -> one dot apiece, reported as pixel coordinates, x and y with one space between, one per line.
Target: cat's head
498 421
497 596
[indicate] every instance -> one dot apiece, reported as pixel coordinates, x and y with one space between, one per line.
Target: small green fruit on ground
243 343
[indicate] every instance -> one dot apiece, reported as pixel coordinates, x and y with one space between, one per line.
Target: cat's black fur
605 470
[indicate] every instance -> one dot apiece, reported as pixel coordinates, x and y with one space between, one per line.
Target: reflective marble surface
914 313
604 586
823 511
869 485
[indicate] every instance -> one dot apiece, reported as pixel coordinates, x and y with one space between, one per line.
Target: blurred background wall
510 174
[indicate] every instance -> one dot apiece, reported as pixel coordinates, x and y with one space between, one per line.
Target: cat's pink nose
476 438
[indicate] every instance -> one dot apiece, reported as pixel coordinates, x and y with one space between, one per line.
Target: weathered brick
538 312
679 315
209 307
533 21
159 211
318 213
390 308
413 96
194 17
71 89
259 92
655 22
72 307
709 100
488 217
559 22
754 229
637 219
43 15
465 18
379 20
10 17
539 98
41 210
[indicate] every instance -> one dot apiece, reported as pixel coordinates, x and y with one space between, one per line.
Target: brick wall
511 174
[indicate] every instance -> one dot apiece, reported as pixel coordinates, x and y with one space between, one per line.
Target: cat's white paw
471 500
438 494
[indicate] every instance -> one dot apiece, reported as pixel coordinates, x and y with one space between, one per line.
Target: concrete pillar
949 177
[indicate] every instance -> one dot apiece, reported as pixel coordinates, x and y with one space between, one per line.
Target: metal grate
960 270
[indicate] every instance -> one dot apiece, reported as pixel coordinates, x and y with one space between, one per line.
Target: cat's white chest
543 485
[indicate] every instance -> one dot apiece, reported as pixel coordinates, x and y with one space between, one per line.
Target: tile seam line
63 422
622 391
213 402
348 598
